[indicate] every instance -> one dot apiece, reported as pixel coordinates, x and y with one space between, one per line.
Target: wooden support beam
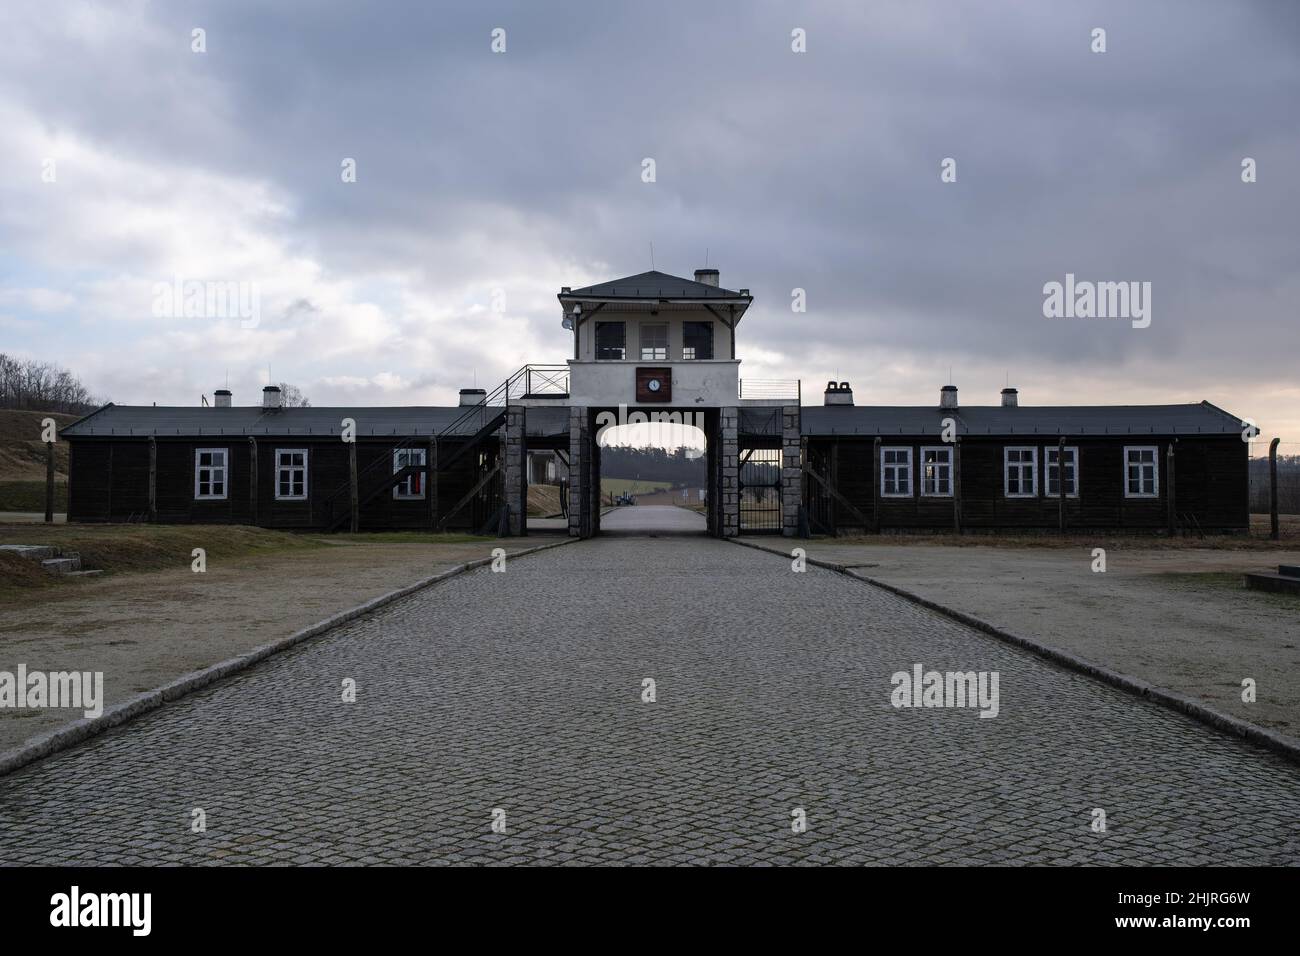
956 483
729 323
582 317
835 478
153 478
430 483
1060 483
252 479
875 481
469 496
834 493
354 490
1169 489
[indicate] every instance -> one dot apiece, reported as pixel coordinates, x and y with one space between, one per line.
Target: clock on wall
654 384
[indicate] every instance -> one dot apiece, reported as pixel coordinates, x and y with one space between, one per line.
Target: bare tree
291 396
42 387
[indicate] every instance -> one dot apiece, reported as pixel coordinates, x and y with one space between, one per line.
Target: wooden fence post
49 482
1169 489
1274 528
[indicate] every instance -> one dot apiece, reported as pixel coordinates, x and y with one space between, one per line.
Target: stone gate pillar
729 503
791 470
579 472
516 475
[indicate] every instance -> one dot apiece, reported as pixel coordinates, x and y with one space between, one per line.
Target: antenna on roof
652 256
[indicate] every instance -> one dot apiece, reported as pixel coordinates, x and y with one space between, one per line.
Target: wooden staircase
345 503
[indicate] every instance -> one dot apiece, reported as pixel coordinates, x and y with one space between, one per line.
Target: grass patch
1255 540
122 548
1225 581
401 537
30 496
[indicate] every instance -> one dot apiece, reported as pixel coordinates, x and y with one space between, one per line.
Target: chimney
707 276
473 396
221 398
948 396
1010 398
271 396
839 394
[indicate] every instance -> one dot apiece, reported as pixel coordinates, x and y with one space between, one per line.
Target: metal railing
529 381
539 381
766 388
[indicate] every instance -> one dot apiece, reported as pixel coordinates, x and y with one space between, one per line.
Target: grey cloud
817 170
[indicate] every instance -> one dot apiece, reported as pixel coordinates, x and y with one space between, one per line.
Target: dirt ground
146 629
1177 618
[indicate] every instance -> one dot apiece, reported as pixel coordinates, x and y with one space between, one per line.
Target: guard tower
657 347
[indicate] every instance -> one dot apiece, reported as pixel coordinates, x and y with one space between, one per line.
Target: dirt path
144 630
1179 619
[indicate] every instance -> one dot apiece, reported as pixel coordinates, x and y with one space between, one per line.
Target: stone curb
1288 747
81 730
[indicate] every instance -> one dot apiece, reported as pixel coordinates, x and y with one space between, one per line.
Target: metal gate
760 490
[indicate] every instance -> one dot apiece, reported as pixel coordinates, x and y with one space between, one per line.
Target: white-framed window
291 474
896 472
412 486
1020 471
697 340
654 342
1050 454
936 471
1141 471
611 339
210 470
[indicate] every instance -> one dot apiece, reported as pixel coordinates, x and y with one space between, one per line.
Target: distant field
682 497
22 454
636 486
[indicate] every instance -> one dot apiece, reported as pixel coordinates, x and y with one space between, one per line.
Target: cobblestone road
772 694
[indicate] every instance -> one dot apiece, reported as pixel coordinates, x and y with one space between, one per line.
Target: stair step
33 552
61 565
1278 583
1289 570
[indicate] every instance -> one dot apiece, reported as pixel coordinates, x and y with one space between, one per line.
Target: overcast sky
521 172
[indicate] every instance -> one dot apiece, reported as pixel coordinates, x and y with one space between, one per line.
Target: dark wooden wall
109 481
1210 485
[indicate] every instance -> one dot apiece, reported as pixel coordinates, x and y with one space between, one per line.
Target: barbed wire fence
1288 478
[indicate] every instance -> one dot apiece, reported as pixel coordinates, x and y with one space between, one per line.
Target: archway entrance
653 471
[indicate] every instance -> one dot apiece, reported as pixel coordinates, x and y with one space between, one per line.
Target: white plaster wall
695 384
